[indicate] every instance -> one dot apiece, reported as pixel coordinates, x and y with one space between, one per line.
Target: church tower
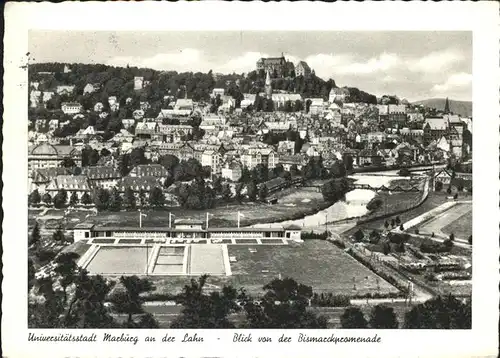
268 87
447 106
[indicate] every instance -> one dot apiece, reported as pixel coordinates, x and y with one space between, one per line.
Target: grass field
433 201
294 203
206 259
317 263
461 227
452 220
118 260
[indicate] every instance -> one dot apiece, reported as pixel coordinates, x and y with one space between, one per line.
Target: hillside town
79 138
140 180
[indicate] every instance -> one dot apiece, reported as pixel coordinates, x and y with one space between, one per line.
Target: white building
217 91
212 159
71 108
138 83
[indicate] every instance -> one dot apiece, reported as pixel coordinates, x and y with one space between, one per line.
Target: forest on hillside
119 82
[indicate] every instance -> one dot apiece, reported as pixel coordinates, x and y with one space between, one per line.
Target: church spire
447 106
268 87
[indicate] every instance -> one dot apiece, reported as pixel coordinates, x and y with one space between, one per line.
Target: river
353 206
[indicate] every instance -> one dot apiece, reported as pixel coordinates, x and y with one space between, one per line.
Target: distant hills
463 108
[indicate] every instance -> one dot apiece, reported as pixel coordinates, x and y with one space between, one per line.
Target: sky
412 65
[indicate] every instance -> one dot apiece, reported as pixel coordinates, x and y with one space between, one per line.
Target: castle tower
268 87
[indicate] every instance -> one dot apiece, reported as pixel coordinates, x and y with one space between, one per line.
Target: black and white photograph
249 180
270 186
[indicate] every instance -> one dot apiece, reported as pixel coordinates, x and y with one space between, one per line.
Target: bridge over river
396 188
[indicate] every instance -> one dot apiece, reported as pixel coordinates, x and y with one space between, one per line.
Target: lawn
461 227
118 260
293 204
449 218
79 248
317 263
433 201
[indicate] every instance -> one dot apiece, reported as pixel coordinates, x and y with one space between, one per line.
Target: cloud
457 81
381 63
182 60
437 61
387 72
244 63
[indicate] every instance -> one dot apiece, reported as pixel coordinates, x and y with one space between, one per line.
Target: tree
128 300
202 310
137 157
169 161
440 313
284 305
105 152
142 198
115 200
353 318
31 274
35 237
47 199
383 317
438 186
338 170
156 197
34 197
263 192
124 164
73 200
217 185
129 200
238 189
359 235
90 156
101 199
86 308
86 199
404 172
308 105
335 189
252 190
68 163
66 266
60 199
58 236
226 192
386 248
374 237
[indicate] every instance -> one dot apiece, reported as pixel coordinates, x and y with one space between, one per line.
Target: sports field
207 259
119 260
461 227
316 263
457 219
